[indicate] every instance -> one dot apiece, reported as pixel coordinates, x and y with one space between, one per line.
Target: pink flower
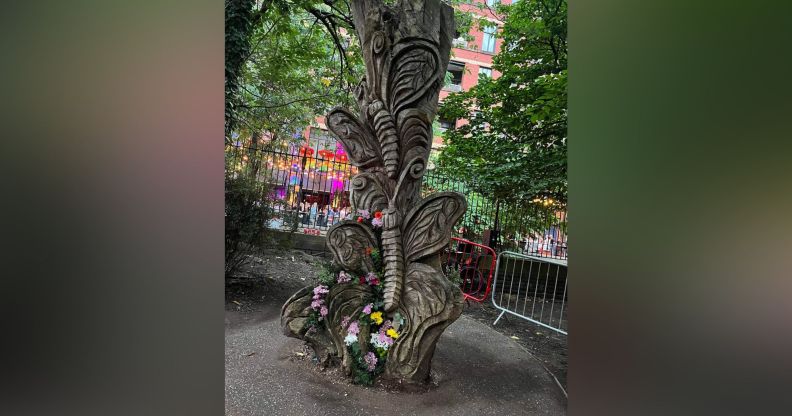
316 304
353 329
371 278
364 213
345 321
343 277
376 222
384 339
367 309
371 361
323 311
320 290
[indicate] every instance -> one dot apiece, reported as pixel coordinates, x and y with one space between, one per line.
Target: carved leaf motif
416 135
295 312
413 71
428 225
377 63
416 141
348 241
371 190
359 142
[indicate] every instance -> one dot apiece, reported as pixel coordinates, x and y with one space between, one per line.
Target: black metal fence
537 227
311 193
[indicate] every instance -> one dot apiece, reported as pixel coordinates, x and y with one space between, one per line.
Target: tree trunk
406 48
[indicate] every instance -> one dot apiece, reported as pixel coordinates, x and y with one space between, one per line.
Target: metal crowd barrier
531 288
475 263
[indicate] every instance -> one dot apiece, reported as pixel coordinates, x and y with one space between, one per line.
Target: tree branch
332 29
288 103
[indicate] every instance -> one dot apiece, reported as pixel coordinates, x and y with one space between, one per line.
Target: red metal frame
471 258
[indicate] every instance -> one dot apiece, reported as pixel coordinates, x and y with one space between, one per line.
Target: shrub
248 209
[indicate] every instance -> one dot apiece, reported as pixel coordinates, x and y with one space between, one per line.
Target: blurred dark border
679 170
113 203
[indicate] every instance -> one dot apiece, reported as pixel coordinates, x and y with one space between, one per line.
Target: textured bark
406 50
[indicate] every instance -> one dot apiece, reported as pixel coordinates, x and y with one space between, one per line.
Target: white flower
377 342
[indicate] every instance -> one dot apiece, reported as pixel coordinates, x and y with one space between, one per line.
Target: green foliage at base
360 372
376 257
247 212
327 276
454 276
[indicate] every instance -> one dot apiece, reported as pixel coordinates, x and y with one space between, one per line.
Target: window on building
488 42
446 124
456 69
485 72
459 40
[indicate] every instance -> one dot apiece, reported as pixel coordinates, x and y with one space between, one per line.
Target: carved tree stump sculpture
406 51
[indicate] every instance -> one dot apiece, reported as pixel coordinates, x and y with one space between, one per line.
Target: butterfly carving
424 232
389 141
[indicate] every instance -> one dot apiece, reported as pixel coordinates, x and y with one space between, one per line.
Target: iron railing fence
528 227
311 193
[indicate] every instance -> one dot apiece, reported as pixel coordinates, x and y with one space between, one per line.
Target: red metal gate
475 263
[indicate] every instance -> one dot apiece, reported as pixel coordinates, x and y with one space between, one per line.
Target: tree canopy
514 143
286 62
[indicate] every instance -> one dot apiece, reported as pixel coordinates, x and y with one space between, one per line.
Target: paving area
476 369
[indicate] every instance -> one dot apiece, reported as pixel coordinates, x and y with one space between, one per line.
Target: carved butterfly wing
413 82
359 142
428 225
347 241
413 71
429 302
371 191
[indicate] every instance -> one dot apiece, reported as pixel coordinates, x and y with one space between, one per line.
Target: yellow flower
376 317
392 333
